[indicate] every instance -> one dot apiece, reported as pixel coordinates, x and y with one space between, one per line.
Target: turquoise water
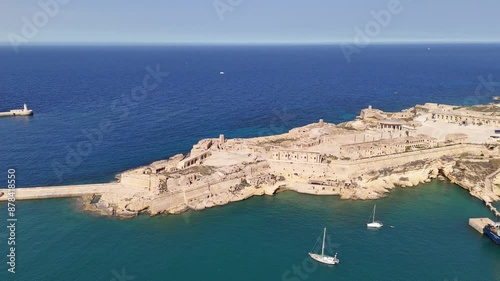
263 238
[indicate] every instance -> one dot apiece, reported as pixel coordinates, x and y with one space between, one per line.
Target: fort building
371 113
297 156
466 118
391 124
457 138
192 160
386 147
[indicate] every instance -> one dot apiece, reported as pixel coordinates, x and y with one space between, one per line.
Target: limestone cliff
376 183
473 174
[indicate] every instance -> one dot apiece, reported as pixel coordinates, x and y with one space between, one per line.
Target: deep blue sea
265 90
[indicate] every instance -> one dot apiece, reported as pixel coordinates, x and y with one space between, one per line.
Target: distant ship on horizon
17 112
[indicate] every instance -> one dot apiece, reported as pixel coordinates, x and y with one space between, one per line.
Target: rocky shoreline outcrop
376 184
473 175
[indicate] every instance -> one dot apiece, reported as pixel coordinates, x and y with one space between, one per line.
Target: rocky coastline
363 159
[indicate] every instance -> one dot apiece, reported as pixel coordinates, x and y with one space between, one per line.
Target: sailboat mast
374 207
323 247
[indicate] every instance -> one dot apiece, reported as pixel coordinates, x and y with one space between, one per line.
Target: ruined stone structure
466 118
457 138
391 124
203 145
386 147
371 113
429 107
192 160
297 156
298 170
401 115
308 143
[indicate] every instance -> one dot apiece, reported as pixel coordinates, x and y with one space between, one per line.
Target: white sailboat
374 223
323 258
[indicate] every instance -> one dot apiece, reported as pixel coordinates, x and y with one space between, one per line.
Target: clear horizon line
263 43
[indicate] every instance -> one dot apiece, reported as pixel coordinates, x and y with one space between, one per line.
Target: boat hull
374 225
16 113
23 113
325 259
493 235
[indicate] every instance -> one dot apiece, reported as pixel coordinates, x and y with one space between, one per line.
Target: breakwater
30 193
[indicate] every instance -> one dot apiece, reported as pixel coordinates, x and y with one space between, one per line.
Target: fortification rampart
345 169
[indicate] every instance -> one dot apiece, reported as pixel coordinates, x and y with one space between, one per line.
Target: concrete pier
30 193
479 223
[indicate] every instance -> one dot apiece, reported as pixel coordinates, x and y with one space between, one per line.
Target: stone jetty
31 193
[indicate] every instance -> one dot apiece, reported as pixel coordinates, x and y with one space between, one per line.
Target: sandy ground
224 158
439 130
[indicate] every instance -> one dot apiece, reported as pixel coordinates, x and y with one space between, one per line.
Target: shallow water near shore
266 90
264 238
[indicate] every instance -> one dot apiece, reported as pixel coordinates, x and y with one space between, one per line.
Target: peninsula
360 159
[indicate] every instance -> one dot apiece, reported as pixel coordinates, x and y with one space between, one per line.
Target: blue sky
252 21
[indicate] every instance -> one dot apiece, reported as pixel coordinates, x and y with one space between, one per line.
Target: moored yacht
324 258
374 223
